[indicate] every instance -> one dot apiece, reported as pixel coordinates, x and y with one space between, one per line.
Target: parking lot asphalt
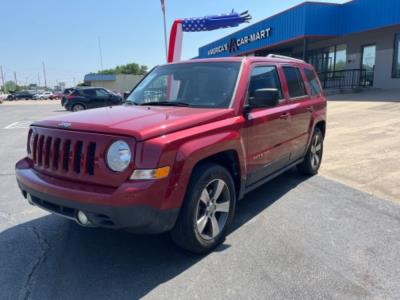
293 238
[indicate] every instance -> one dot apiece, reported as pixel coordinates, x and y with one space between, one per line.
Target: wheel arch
321 125
229 159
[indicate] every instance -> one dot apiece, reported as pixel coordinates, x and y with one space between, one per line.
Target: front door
368 64
102 98
267 128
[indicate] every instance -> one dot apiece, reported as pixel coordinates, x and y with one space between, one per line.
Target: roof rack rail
285 57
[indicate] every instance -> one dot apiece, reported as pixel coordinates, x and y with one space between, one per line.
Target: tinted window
89 93
295 82
313 82
101 93
264 78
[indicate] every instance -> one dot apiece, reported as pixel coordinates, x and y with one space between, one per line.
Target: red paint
179 137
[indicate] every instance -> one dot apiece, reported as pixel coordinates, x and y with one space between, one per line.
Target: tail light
69 97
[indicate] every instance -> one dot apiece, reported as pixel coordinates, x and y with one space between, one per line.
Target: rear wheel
78 107
207 211
313 158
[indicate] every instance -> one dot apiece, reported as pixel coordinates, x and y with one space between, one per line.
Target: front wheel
207 211
313 157
78 107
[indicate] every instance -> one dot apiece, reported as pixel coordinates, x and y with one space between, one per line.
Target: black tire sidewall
199 180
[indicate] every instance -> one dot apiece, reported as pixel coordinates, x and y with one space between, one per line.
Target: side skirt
269 177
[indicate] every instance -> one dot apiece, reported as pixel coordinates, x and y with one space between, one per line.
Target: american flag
208 23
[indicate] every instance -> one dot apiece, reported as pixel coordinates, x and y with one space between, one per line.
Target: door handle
310 109
284 116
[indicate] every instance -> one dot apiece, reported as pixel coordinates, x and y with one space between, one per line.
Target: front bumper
123 208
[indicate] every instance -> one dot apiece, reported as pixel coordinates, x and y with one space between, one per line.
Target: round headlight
118 156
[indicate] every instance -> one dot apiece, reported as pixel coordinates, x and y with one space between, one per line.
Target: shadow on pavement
71 261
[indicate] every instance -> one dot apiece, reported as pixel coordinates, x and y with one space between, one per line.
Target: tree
10 86
132 68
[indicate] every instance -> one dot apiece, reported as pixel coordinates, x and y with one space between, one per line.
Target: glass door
368 64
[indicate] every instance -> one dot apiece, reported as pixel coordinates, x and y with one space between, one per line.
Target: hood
141 122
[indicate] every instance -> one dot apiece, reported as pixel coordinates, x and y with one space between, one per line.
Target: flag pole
165 29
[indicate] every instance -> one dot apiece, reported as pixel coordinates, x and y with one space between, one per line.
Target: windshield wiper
165 103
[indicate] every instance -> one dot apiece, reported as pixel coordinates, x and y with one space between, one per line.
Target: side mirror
126 95
264 98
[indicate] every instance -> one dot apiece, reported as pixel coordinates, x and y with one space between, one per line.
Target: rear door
267 129
299 108
102 98
90 99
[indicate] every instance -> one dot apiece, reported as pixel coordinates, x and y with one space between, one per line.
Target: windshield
205 84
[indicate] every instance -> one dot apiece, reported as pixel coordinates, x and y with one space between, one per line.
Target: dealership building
355 44
114 82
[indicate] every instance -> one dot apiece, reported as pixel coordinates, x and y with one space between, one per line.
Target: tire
313 158
78 107
204 219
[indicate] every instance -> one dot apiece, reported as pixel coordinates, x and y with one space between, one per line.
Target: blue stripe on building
307 20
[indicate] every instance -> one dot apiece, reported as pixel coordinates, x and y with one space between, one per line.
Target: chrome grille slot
78 156
56 153
66 155
46 152
90 156
40 150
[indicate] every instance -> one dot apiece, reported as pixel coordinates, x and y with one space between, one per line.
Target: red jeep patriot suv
191 139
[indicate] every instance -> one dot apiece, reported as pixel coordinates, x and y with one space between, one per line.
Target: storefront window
329 59
396 58
341 54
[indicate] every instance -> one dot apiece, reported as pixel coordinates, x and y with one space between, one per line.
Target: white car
43 95
3 97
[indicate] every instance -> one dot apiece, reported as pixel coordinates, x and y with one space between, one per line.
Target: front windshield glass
200 84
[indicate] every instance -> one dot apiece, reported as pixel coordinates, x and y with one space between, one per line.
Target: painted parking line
19 125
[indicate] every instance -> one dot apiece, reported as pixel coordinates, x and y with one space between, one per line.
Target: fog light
82 218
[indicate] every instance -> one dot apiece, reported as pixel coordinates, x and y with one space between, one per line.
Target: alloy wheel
213 209
78 107
316 151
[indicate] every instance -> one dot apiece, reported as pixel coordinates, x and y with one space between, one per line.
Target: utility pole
165 28
15 78
38 78
44 75
101 59
2 79
100 54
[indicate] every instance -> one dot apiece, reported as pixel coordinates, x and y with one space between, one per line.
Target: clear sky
64 33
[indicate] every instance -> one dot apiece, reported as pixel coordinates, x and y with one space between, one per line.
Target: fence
353 78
